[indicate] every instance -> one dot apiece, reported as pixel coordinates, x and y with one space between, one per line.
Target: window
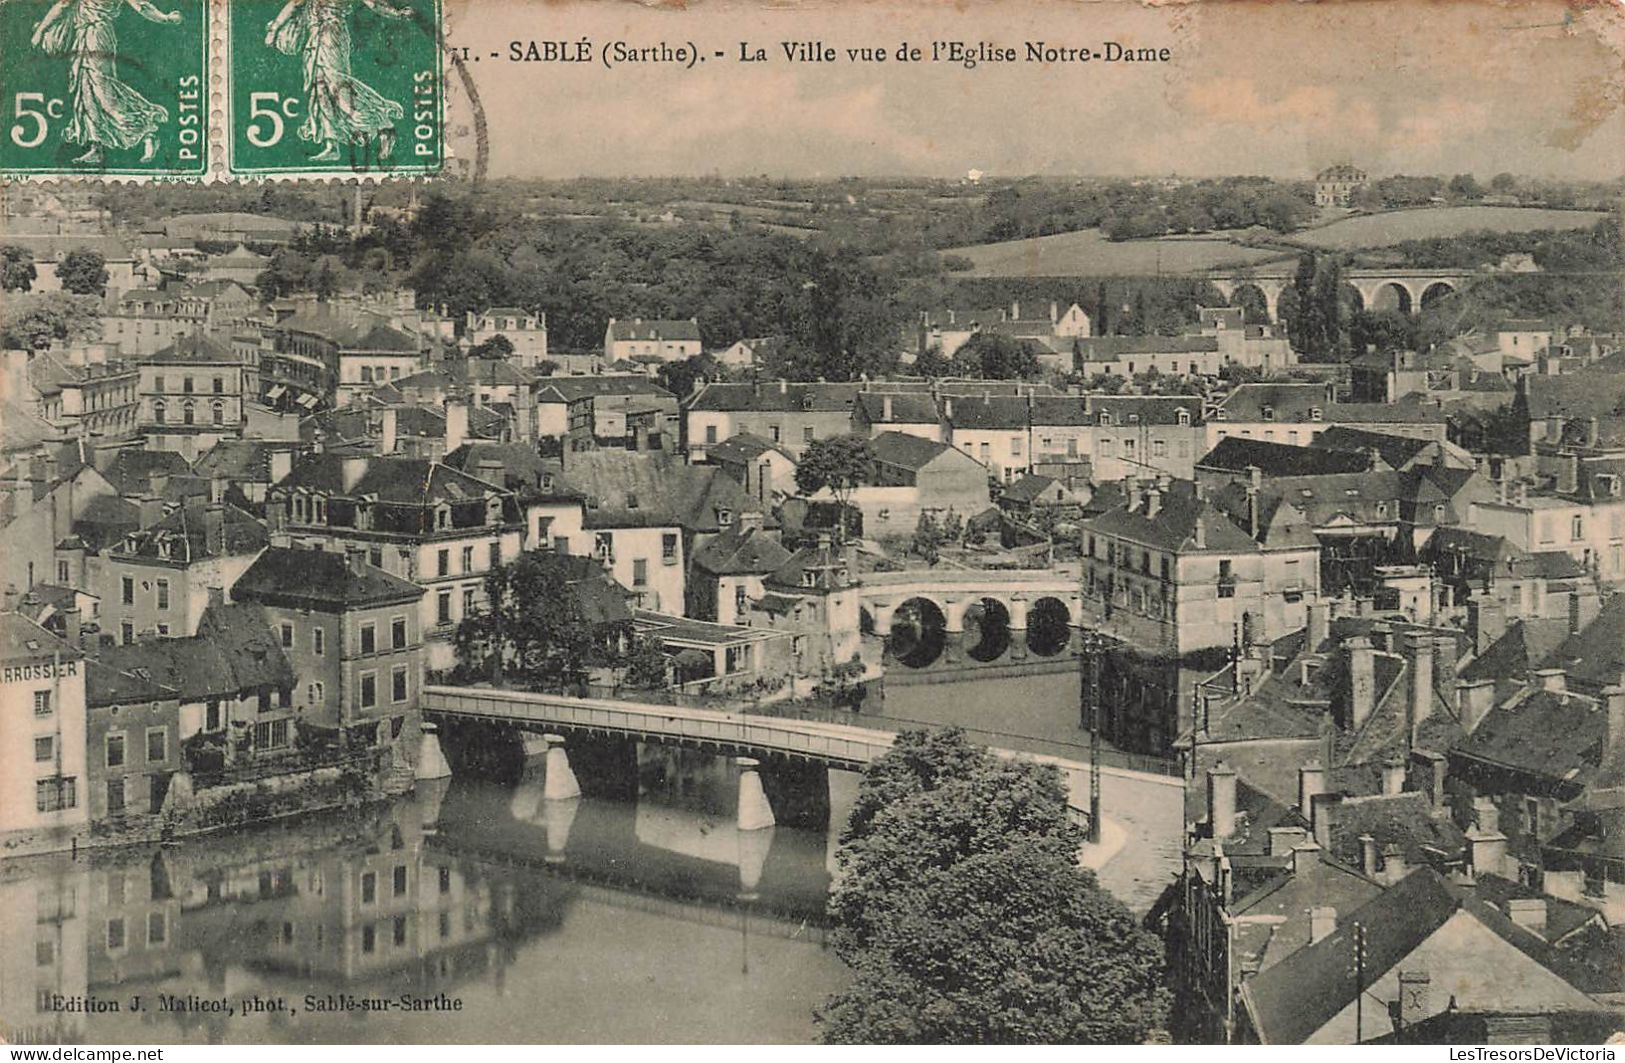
158 413
318 641
115 750
1315 413
807 434
986 450
163 630
188 413
55 795
468 600
369 689
157 928
1159 448
442 605
397 633
1577 528
1016 443
739 600
158 383
163 594
468 559
186 385
157 745
561 544
369 887
127 590
710 433
668 548
773 432
287 635
496 555
397 685
398 880
42 703
44 748
369 638
640 573
1227 580
219 385
1382 509
1128 449
400 930
1184 418
62 572
369 938
115 933
217 413
442 563
115 795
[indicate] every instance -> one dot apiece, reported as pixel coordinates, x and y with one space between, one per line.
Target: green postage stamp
93 87
344 87
278 88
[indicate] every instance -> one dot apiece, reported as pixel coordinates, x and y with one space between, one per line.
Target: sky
1280 89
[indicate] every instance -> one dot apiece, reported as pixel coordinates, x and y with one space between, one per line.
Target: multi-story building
355 349
1298 413
597 406
1127 356
80 392
192 395
353 635
133 742
146 320
664 341
1335 186
912 412
42 731
420 520
1140 435
789 414
1588 527
526 331
159 580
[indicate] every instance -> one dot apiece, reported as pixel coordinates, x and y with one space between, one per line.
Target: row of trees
82 271
966 919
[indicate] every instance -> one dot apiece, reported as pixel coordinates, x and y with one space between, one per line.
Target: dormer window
1184 418
631 500
1382 509
1133 418
1106 418
1315 413
442 516
809 578
1268 413
725 518
1221 414
592 501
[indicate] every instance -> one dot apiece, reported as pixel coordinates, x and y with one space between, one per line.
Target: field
1392 227
1089 254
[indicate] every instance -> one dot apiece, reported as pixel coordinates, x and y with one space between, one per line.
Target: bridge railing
851 745
980 576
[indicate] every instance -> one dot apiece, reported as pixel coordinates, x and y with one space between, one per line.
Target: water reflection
587 919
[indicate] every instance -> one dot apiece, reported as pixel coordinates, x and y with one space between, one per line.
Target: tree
83 272
325 282
679 377
1503 183
927 538
17 273
1463 187
932 365
965 917
839 464
991 356
532 630
646 665
498 346
1305 326
33 321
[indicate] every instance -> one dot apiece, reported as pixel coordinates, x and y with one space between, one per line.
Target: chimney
1552 680
1487 846
353 561
1322 923
1393 775
1474 699
352 468
948 408
784 386
1613 703
1255 484
1305 857
1421 699
216 595
1153 502
1431 767
1285 839
1444 661
1368 855
1311 781
1221 800
1486 817
1131 492
281 464
388 422
1362 680
1394 866
1015 310
156 483
1529 913
1568 474
217 489
214 530
456 424
885 408
72 629
1323 809
750 520
1199 534
1320 623
1055 314
1414 997
1486 621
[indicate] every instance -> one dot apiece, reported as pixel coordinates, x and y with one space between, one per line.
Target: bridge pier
560 783
431 758
557 819
1018 627
754 845
754 812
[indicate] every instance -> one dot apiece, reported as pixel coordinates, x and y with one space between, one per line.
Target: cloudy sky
1391 85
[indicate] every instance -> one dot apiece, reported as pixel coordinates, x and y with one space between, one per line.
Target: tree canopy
83 272
840 464
991 356
17 273
965 917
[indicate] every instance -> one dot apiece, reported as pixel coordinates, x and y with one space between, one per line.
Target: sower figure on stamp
341 107
107 113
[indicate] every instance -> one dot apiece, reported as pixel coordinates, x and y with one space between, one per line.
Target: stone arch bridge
1406 290
1012 612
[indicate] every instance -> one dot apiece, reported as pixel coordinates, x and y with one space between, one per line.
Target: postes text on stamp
335 87
114 87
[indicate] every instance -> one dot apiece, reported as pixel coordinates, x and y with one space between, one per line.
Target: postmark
104 87
335 88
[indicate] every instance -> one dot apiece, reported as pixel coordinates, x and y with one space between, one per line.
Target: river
643 918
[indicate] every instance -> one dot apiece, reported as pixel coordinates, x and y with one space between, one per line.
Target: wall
64 681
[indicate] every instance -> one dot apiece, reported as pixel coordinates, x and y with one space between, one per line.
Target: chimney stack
1487 846
281 460
456 424
1322 923
1393 776
1221 800
1311 781
1394 866
1255 484
1486 621
1368 855
885 408
1415 997
1362 680
388 426
1613 703
1431 768
72 629
1421 699
1474 699
1320 623
1323 808
1305 856
352 468
214 530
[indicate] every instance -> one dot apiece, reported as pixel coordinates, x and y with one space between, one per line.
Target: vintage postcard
585 522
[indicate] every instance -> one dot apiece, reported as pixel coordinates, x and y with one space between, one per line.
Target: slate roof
523 471
907 451
352 330
105 520
107 685
1554 736
194 349
740 551
569 388
1581 395
653 330
1293 403
627 489
906 407
1111 348
184 535
401 480
131 470
1426 836
988 412
775 396
1594 657
1234 454
1395 451
240 460
1173 528
233 652
21 429
744 448
1028 488
1150 409
602 600
319 579
21 639
1283 902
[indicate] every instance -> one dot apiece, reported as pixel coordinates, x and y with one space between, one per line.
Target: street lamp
1089 712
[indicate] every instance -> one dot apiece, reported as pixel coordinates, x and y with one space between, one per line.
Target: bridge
922 612
1405 290
1143 811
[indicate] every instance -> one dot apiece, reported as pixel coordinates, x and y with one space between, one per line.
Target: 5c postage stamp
335 87
94 87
